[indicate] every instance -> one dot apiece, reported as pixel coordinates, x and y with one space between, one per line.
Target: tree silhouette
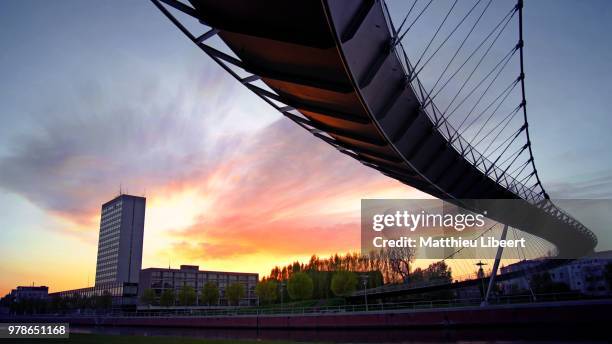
187 296
300 286
148 297
104 301
234 292
343 283
167 298
209 294
266 291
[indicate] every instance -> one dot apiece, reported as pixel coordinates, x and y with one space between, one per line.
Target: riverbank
128 339
572 313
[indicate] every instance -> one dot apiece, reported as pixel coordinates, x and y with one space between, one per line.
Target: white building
120 240
585 275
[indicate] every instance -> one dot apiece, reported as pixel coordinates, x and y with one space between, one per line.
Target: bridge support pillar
498 256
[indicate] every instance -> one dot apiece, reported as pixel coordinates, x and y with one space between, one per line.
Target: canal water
531 334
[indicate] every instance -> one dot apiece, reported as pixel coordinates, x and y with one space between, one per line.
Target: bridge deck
332 61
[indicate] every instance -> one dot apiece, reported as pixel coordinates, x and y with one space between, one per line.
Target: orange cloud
280 194
224 201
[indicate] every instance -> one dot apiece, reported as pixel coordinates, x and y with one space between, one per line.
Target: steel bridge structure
339 70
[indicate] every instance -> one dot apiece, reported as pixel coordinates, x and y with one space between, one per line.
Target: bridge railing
419 284
356 308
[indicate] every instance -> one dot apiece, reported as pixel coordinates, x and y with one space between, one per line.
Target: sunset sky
101 95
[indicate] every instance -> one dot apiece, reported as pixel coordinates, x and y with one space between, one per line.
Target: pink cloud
277 196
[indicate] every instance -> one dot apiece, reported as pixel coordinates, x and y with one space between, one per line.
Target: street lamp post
364 281
282 292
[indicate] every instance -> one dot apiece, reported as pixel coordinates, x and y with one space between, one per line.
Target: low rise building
160 279
518 284
29 293
122 293
586 275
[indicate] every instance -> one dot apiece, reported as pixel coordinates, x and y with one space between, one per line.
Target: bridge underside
332 61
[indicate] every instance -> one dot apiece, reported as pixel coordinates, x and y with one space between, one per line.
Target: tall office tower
120 240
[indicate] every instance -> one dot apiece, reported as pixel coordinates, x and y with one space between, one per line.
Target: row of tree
339 275
394 265
58 304
188 296
301 286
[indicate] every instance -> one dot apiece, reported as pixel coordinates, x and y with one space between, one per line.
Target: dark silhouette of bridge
340 70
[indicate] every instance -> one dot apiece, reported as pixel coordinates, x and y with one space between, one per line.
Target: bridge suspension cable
472 112
481 121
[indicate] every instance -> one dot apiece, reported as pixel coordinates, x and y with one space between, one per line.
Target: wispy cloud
223 180
143 135
591 185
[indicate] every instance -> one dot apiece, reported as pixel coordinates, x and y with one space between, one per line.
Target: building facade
520 283
586 275
160 279
122 293
30 293
120 240
119 257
